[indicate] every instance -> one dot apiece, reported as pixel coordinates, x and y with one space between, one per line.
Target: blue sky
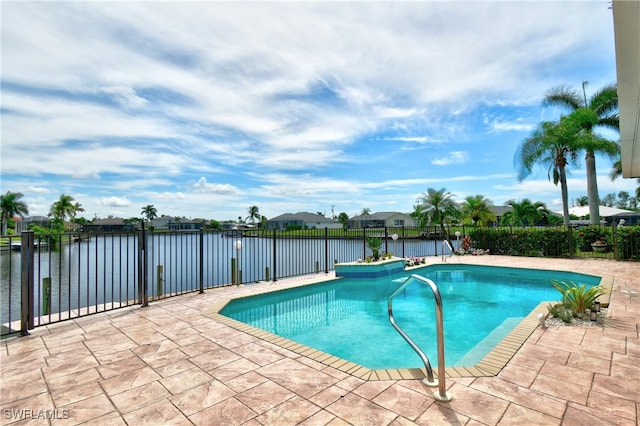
204 109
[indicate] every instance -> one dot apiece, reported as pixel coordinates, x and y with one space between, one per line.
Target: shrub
578 297
587 235
628 242
561 311
374 244
551 242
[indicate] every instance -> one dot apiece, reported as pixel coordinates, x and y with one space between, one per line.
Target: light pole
457 233
238 245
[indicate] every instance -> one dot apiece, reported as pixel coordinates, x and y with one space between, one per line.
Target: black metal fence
55 277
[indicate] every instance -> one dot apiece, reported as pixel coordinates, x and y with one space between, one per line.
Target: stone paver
174 362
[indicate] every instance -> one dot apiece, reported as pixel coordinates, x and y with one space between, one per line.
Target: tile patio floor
170 364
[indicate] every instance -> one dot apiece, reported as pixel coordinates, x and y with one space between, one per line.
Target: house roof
303 217
377 216
500 210
604 211
108 221
37 219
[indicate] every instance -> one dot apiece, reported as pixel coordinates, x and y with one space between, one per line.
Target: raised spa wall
370 270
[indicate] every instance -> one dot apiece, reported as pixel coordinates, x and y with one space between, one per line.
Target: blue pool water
348 318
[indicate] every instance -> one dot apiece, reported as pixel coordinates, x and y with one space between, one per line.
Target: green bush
587 235
561 311
547 242
578 297
628 242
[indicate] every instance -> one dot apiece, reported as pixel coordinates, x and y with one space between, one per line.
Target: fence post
46 296
326 250
386 239
160 281
26 299
364 243
614 233
201 271
144 296
275 271
571 243
233 271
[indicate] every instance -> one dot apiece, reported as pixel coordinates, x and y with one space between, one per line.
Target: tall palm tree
365 211
254 214
523 212
62 208
149 212
477 209
555 144
10 206
436 206
604 105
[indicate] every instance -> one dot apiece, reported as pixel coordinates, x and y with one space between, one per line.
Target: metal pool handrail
442 394
445 242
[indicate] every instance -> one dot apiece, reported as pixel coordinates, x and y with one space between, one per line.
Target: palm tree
616 172
365 211
477 209
582 201
149 212
63 207
604 105
523 212
436 206
254 213
77 207
555 144
10 205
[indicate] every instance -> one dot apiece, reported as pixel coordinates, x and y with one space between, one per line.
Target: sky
204 109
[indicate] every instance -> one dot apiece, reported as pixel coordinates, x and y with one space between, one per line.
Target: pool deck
175 363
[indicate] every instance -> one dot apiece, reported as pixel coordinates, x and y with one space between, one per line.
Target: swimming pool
348 318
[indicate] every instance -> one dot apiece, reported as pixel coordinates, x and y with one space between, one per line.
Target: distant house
627 218
110 224
499 211
25 223
303 220
172 223
381 220
607 215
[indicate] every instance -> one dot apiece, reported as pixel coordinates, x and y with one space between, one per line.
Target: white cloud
455 157
116 201
37 190
415 139
125 96
517 125
222 189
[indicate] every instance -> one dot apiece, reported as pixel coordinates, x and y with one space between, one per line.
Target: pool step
483 347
